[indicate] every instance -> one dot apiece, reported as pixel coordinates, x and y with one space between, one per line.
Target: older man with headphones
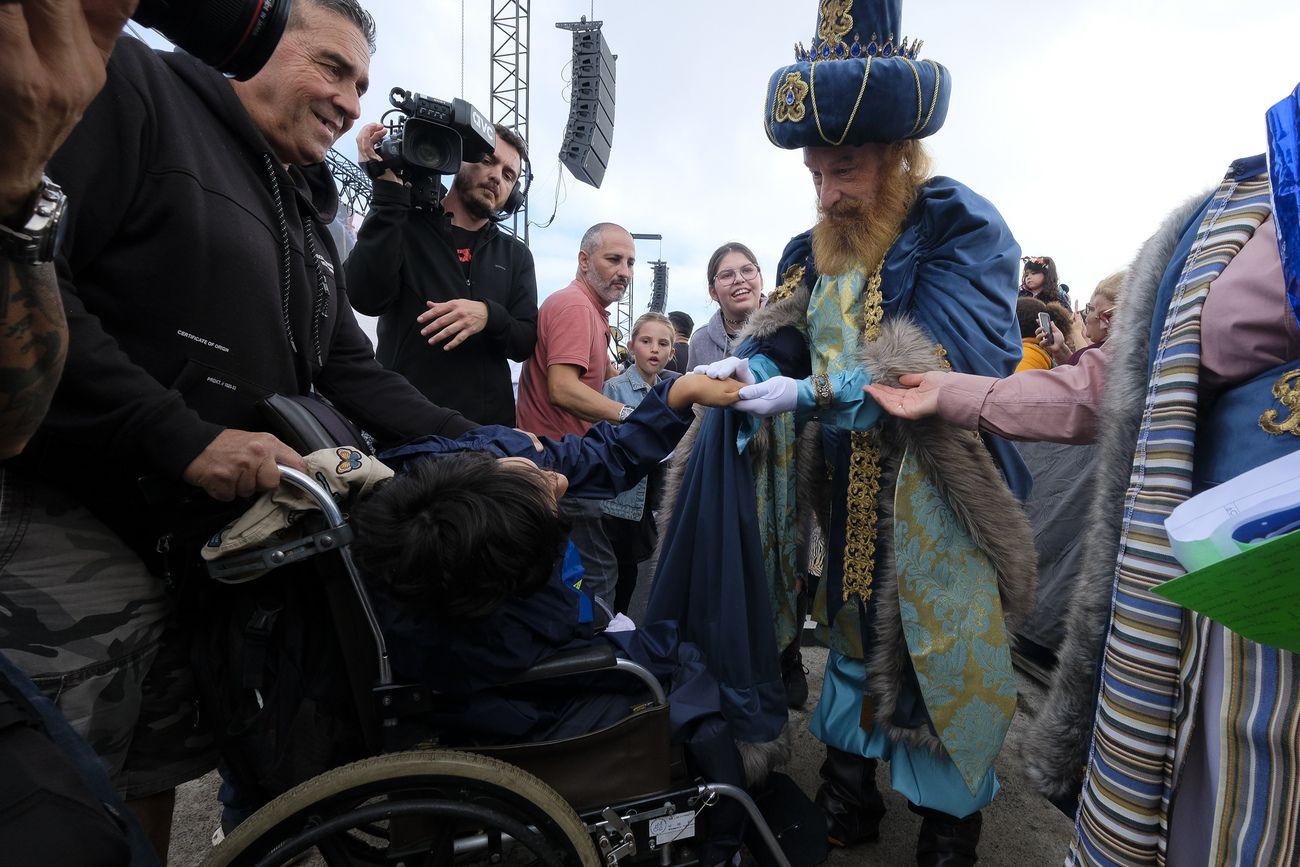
455 296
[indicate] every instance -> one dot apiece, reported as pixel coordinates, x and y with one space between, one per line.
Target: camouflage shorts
94 630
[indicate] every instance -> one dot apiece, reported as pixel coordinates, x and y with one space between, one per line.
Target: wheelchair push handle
314 489
334 517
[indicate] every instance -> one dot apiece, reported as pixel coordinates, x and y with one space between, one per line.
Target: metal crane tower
509 78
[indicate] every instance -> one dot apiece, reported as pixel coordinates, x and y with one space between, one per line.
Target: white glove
769 397
730 367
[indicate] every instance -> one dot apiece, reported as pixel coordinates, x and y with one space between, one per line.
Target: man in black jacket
198 276
455 296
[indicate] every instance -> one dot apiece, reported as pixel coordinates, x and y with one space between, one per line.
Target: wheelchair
615 796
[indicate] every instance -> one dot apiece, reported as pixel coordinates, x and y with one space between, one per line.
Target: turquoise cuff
851 408
805 399
763 369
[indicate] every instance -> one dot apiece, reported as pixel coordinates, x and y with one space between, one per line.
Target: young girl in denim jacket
628 518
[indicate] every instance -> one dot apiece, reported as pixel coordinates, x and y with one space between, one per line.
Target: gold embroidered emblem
864 471
872 312
790 97
1287 391
834 21
791 281
860 515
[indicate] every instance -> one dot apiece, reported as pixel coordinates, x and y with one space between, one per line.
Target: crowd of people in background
805 454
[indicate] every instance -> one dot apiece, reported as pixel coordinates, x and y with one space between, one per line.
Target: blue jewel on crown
840 50
789 97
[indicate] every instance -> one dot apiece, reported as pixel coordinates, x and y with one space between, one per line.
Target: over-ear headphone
518 193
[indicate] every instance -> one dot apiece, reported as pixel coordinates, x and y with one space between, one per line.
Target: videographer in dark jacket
199 276
455 296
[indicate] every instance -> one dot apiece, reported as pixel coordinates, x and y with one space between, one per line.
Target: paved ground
1020 828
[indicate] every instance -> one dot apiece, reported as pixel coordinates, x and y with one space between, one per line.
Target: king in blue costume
929 560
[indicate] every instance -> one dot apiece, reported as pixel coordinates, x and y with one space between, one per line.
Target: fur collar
972 486
1055 748
790 311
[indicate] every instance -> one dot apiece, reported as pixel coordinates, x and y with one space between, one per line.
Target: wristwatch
40 228
624 413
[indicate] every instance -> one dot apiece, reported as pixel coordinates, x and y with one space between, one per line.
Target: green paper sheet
1256 593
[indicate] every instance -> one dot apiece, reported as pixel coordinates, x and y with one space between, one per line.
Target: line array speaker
589 135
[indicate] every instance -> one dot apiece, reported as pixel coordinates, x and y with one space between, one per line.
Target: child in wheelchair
477 582
474 582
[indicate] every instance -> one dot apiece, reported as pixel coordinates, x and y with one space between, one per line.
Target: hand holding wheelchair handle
239 463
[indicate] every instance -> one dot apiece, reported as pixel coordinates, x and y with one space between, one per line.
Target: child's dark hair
1027 310
1046 266
460 534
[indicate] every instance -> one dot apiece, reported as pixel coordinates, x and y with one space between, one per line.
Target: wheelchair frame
616 831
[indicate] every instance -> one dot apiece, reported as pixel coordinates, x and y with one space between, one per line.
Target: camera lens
235 36
428 153
432 147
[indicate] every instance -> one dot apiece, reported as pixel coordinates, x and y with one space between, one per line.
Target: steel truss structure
509 80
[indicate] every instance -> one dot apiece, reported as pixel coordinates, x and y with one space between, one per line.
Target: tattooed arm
33 345
52 58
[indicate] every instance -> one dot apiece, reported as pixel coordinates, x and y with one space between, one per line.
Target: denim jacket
629 387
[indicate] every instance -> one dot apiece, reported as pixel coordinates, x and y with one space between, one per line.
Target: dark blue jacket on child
467 660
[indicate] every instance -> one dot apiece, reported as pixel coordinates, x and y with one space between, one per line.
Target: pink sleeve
1057 405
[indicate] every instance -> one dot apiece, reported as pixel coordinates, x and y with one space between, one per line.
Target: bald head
605 259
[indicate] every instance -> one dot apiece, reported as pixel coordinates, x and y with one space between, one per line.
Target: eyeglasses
1089 309
732 275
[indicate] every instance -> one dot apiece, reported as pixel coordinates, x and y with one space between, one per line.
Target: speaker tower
589 135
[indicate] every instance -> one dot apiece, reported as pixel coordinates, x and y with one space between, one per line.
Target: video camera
429 139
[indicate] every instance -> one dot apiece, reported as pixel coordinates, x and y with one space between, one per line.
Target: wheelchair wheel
437 807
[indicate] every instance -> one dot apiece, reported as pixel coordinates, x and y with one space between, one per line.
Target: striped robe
1150 734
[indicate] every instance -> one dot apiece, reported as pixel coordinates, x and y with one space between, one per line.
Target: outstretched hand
770 397
697 388
917 398
731 367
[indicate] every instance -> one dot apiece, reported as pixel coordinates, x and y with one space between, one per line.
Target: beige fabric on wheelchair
345 471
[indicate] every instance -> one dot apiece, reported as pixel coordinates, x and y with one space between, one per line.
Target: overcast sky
1084 122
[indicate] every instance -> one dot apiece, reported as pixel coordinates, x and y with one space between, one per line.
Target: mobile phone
1045 323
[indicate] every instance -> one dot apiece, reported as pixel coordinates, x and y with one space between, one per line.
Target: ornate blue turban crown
860 81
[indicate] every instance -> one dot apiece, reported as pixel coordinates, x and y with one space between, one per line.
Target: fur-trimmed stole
1055 749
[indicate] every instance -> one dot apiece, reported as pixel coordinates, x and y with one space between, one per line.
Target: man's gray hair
349 9
592 237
